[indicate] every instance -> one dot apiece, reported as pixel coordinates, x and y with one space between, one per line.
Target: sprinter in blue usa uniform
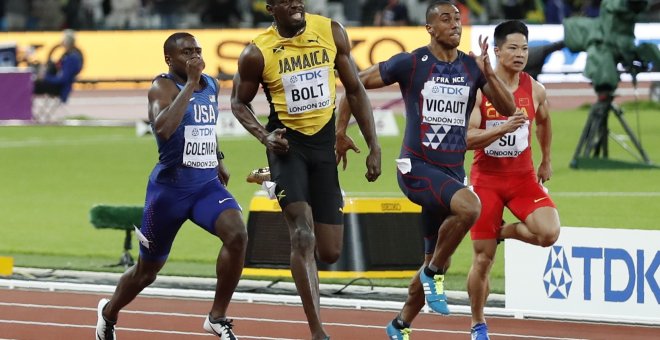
439 85
188 183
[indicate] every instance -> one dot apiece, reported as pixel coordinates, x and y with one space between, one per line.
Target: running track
42 314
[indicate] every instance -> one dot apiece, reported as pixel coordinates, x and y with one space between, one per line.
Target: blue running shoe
479 332
434 291
394 333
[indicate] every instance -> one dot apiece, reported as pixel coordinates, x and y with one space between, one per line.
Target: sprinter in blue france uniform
439 85
188 183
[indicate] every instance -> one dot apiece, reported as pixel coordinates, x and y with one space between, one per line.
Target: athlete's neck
511 79
443 53
289 32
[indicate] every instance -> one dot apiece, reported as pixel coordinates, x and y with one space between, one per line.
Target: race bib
445 104
200 145
511 144
307 90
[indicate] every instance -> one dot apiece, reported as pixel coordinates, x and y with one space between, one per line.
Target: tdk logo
306 76
557 276
620 274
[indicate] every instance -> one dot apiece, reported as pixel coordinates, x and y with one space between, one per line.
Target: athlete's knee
548 237
302 239
467 208
236 239
144 277
328 255
481 264
468 215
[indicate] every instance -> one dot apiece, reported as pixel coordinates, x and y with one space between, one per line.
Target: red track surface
42 315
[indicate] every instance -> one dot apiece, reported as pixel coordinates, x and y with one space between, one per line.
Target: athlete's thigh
210 202
290 173
324 191
527 196
165 210
429 186
490 218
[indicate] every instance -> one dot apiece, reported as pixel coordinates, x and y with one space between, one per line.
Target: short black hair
509 27
434 5
170 43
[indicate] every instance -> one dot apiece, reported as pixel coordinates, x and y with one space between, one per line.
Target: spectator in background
17 13
556 11
591 8
168 12
319 7
221 13
393 14
369 10
48 14
516 9
260 15
124 14
56 78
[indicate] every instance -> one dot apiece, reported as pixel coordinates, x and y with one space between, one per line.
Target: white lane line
124 329
276 321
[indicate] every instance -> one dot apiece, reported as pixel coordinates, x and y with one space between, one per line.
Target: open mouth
297 16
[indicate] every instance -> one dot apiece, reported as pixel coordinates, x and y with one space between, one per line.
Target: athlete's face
444 26
289 15
513 53
186 48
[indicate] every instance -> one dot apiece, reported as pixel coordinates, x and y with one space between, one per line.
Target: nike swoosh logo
539 199
191 99
226 199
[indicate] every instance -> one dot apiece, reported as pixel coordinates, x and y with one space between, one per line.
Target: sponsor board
590 273
139 54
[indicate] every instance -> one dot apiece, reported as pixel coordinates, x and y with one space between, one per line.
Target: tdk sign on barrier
557 274
588 273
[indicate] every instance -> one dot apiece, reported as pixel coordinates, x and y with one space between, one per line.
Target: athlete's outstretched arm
478 138
357 99
371 79
246 85
494 89
167 104
543 132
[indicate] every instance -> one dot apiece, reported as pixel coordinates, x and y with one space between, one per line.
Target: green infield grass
53 175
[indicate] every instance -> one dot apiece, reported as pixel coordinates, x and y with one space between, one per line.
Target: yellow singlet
298 76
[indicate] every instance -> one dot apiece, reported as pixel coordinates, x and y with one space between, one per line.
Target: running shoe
105 330
394 333
434 291
221 328
259 175
479 332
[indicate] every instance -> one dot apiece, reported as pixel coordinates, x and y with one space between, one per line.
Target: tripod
593 142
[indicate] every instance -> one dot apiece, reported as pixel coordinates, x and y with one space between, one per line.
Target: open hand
343 143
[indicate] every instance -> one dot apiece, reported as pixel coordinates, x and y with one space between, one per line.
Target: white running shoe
221 328
105 330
